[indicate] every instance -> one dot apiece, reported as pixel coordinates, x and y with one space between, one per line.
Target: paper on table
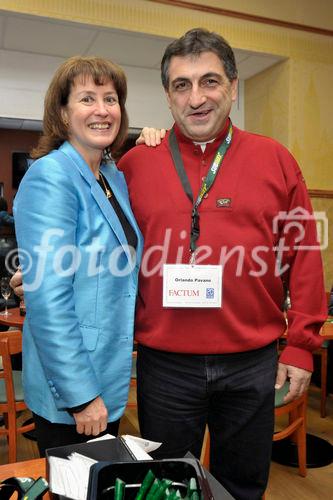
144 444
138 446
102 438
69 477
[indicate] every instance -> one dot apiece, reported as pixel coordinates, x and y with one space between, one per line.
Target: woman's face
93 115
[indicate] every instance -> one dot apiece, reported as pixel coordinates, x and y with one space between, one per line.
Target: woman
80 251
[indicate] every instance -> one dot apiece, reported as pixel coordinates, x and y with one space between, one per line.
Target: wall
24 79
267 102
319 13
325 205
13 141
291 102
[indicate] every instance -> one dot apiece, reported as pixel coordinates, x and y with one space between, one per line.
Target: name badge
186 285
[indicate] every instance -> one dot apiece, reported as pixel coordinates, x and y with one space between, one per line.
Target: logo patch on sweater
223 202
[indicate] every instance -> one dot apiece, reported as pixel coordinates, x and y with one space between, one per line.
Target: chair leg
5 421
323 382
205 453
293 415
12 438
301 444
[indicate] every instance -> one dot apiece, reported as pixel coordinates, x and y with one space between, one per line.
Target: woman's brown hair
55 131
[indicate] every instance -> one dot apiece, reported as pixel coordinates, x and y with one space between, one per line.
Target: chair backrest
10 343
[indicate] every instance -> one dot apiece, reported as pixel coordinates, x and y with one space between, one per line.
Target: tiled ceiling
39 36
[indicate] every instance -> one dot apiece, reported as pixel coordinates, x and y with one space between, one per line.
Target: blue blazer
80 285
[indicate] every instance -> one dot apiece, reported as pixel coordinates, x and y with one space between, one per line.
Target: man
217 366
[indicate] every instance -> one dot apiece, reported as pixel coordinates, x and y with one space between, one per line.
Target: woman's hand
17 284
93 419
151 136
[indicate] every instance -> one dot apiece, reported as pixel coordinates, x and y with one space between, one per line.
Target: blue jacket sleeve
46 214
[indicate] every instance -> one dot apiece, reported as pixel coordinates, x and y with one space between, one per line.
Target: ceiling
41 36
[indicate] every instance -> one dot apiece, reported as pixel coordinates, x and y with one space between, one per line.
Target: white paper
102 438
69 477
140 446
144 444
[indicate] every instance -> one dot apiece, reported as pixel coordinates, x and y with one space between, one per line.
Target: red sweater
258 178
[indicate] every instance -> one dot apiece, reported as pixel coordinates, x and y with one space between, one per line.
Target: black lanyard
206 183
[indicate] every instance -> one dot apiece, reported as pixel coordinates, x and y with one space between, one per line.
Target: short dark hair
3 204
195 42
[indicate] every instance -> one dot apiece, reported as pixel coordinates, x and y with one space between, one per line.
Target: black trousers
178 394
51 435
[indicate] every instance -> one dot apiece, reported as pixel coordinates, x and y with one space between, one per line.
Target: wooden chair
296 428
133 404
11 392
322 352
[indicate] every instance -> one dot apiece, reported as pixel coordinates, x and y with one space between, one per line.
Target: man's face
200 95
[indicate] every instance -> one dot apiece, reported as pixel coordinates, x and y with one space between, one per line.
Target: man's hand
151 136
17 284
93 419
299 380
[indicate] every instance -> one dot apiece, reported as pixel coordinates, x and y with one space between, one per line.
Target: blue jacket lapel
98 194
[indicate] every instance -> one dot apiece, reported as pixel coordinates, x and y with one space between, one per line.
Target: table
13 319
29 468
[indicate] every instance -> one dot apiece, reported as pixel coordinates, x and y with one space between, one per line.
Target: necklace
107 191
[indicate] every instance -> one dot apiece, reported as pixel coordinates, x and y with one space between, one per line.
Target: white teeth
99 126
